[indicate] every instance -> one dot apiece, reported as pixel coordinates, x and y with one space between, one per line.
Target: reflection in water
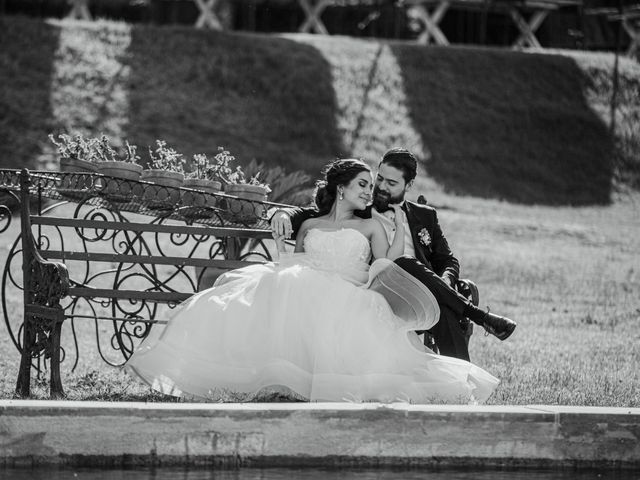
308 474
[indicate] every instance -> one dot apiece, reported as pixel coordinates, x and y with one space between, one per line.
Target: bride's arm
380 247
397 246
302 232
281 245
379 243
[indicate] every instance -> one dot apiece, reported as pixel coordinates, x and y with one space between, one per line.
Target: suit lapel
415 225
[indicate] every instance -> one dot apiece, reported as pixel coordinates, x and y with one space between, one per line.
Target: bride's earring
341 195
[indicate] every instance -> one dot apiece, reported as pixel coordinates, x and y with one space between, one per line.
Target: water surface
307 474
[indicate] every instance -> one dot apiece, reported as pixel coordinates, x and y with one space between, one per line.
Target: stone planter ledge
45 432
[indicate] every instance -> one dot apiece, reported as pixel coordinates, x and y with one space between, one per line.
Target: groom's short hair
403 160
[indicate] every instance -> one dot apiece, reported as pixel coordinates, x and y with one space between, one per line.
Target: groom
427 255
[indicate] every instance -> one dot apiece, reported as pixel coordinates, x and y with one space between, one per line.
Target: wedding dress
322 325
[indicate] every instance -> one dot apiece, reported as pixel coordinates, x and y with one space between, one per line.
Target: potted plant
205 179
121 173
250 188
111 164
250 192
76 154
167 175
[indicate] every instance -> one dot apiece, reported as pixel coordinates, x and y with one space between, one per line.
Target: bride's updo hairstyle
339 172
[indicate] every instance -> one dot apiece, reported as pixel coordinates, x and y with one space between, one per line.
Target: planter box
126 170
115 188
75 186
165 192
246 208
199 201
199 198
76 165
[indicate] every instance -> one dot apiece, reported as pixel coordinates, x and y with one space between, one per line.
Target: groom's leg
445 295
447 333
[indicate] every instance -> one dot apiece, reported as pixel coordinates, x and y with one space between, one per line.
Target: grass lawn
570 276
537 200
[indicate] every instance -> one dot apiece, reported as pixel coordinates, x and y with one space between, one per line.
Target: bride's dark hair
338 172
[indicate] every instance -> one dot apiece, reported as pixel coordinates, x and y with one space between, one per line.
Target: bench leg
46 283
23 385
41 336
55 381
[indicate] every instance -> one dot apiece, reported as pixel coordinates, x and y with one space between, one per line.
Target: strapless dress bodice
346 245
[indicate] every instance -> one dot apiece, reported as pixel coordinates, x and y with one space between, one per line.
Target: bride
322 323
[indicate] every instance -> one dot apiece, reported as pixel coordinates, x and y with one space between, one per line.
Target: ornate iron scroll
91 234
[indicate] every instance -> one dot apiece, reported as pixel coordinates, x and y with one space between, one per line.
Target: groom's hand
281 224
449 281
397 215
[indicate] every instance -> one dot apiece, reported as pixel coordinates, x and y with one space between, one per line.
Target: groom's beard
382 200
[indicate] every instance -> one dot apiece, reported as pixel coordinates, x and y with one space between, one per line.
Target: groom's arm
287 221
442 259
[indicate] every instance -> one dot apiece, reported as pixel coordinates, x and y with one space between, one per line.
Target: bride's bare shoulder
373 225
309 223
368 227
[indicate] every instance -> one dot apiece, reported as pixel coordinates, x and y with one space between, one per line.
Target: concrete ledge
362 435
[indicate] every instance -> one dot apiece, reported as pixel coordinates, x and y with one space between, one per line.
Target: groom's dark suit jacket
434 251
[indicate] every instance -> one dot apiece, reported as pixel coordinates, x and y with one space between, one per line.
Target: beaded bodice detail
343 246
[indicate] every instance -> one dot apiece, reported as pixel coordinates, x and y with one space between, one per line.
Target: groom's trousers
447 333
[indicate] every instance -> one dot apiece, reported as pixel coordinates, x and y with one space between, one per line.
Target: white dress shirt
387 220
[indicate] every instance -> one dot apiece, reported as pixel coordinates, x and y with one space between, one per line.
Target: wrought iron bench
116 254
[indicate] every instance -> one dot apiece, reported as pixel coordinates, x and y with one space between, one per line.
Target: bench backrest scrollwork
97 258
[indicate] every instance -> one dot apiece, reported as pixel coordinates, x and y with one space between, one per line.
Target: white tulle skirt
314 333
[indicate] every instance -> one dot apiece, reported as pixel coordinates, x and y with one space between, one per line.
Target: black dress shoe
501 327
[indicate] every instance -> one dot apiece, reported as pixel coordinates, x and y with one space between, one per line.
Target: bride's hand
280 241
